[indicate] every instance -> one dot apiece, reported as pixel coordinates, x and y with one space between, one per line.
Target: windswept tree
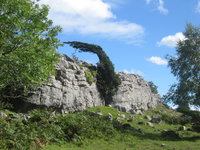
107 80
186 67
27 46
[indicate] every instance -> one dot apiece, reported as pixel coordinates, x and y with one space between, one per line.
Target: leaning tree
107 80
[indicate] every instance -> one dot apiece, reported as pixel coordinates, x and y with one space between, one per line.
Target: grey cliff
134 95
69 91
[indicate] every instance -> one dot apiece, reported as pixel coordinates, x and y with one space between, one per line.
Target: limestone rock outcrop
134 94
69 91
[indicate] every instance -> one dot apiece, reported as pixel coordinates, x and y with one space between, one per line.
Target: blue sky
135 34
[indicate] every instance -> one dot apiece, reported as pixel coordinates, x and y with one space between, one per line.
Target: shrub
22 133
184 119
90 76
5 105
170 135
86 125
42 126
196 127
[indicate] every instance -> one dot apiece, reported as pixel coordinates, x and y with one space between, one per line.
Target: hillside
99 128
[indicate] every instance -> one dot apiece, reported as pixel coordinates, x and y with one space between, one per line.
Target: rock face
70 91
134 95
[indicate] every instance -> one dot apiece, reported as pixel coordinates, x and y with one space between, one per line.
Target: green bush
90 77
170 135
196 127
86 125
184 119
43 126
22 133
5 105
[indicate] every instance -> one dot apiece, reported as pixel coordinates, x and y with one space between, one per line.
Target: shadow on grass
163 136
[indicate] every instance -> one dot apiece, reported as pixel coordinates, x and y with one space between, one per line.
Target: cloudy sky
136 34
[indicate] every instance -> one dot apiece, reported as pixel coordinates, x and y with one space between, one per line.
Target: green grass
89 131
133 143
151 139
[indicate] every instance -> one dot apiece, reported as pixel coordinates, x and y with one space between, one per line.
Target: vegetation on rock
27 46
107 80
90 76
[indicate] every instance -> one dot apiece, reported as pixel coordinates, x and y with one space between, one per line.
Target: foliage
90 76
5 105
22 133
182 120
84 125
107 80
154 88
186 67
43 126
164 135
27 46
85 129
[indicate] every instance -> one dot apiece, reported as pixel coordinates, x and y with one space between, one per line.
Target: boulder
110 116
99 113
150 124
3 115
122 116
148 117
182 128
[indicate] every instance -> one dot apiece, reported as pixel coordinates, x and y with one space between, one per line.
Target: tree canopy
186 67
107 80
27 46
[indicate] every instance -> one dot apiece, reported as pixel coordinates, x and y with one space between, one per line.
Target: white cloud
157 60
133 71
160 6
198 7
171 40
92 17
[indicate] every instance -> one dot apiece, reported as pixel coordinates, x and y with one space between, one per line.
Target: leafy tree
107 80
27 46
186 67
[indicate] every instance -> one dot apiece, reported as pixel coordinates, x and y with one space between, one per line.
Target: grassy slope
150 138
